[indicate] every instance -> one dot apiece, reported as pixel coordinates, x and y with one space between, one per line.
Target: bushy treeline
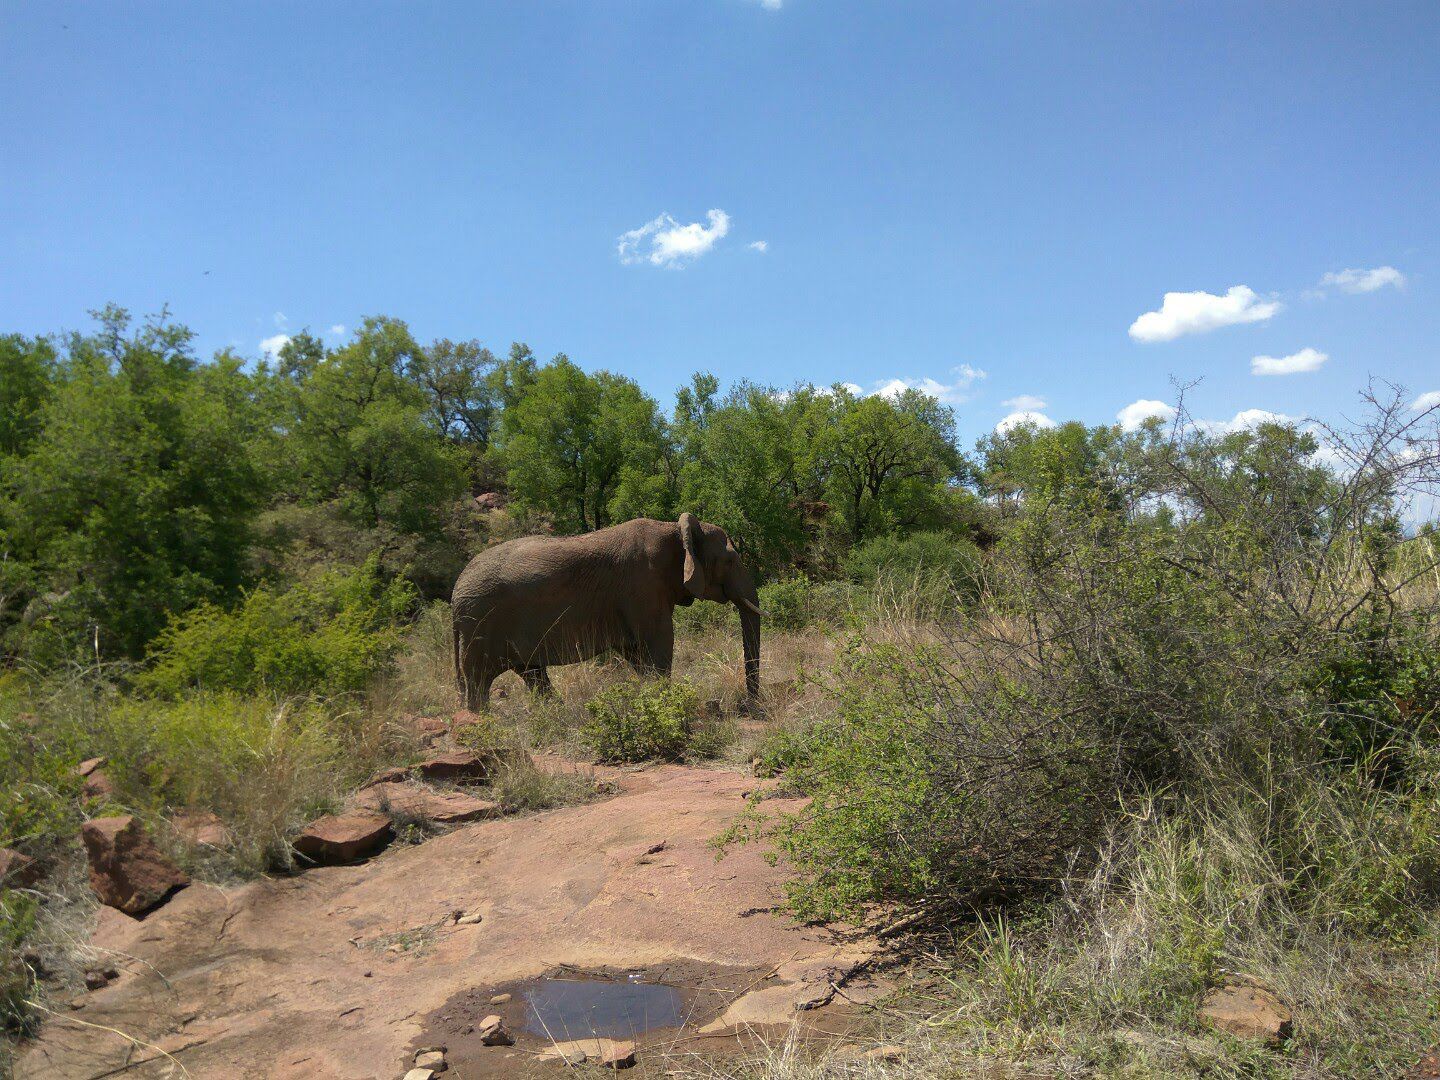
1156 610
138 482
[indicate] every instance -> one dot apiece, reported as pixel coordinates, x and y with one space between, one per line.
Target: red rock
618 1054
201 827
342 838
97 785
393 775
127 870
492 1032
1246 1008
456 766
490 500
17 870
429 729
411 800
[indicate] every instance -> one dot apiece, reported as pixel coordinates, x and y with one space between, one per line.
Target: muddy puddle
658 1006
623 1007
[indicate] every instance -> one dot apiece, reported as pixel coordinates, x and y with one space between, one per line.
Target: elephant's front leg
653 652
537 681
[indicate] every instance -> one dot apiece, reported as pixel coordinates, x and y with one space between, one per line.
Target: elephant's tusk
746 604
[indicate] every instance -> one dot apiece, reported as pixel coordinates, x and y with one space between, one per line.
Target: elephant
527 604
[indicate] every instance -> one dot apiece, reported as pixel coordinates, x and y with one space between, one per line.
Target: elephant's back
532 568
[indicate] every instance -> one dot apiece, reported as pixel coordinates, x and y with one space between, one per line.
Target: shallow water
561 1009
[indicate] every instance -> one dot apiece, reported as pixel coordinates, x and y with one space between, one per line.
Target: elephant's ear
693 540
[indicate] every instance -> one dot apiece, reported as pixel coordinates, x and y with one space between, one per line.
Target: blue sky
942 189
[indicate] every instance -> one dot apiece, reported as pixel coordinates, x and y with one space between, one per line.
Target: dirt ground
343 972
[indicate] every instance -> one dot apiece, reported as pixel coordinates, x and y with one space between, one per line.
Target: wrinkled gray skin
530 603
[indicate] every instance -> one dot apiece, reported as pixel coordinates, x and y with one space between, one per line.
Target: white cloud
761 246
1137 412
1426 401
338 329
665 242
1294 364
1025 402
1199 312
271 346
1363 281
1244 421
1021 419
280 318
951 393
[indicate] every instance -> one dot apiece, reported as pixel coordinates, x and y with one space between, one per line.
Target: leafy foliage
134 496
329 635
645 720
360 430
935 567
584 447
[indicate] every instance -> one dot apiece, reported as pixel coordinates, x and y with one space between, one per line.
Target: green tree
27 372
456 379
136 496
747 466
583 448
362 433
891 463
1071 460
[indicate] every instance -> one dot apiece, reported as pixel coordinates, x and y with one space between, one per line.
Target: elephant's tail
455 649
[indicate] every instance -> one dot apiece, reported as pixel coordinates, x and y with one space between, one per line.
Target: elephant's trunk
747 602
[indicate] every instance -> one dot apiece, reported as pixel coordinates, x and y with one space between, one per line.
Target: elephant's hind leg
476 675
537 681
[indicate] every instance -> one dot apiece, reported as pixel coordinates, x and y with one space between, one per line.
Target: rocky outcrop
607 1053
431 1058
414 801
127 870
95 782
17 870
428 729
343 838
1248 1009
201 828
492 1032
457 767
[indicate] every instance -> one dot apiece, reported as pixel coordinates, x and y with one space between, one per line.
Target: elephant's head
713 571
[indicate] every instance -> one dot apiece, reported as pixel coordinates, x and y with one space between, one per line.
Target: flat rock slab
1247 1009
127 870
301 977
202 828
457 766
17 870
343 838
412 800
428 729
607 1053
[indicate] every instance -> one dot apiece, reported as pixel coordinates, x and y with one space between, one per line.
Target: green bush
918 793
645 720
1377 683
264 767
39 788
938 568
701 616
783 746
17 923
798 603
327 635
